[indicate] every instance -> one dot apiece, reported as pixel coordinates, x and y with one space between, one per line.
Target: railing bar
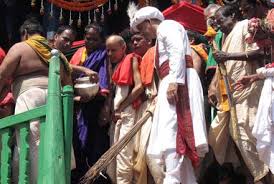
41 150
5 164
23 117
24 153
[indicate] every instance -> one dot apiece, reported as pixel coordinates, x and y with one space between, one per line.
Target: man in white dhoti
172 137
26 63
127 80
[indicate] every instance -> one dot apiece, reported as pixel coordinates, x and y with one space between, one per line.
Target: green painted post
53 171
68 127
24 153
41 149
5 156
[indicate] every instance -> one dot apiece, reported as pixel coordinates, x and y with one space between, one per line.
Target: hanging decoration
89 19
94 16
78 6
109 7
42 9
61 17
70 19
33 3
116 5
102 15
79 22
51 11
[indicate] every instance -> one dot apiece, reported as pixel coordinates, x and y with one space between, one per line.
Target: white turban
146 13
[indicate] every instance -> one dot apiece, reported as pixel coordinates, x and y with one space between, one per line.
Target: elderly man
172 137
127 80
215 38
240 59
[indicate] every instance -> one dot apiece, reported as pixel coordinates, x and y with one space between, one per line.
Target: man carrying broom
172 138
127 80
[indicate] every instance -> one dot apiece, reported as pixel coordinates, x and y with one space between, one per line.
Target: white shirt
173 45
265 72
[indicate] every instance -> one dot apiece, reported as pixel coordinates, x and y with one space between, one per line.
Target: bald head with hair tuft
116 39
116 48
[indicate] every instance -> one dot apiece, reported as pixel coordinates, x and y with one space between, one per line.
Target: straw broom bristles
109 155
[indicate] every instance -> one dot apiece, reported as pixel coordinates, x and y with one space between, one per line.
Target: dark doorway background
14 12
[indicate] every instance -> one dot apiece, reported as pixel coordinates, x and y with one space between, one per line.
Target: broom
108 156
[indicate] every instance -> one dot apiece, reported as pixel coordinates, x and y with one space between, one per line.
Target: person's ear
191 41
148 21
55 37
124 48
25 34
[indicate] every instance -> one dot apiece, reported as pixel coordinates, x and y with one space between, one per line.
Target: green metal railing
54 155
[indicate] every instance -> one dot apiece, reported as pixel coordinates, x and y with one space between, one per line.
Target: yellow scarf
210 32
40 45
200 51
84 56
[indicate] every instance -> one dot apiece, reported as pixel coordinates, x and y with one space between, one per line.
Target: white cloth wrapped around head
146 13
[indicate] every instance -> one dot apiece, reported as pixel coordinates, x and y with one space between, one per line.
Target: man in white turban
179 101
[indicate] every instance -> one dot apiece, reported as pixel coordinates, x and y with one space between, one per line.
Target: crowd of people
211 113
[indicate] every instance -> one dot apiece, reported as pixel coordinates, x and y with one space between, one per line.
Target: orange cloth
79 57
41 47
224 104
123 74
210 32
147 66
200 51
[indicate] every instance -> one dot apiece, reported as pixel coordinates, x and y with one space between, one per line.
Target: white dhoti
164 126
162 143
263 129
124 160
141 141
121 170
196 101
28 100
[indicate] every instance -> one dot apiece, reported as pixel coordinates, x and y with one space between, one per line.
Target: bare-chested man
26 64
